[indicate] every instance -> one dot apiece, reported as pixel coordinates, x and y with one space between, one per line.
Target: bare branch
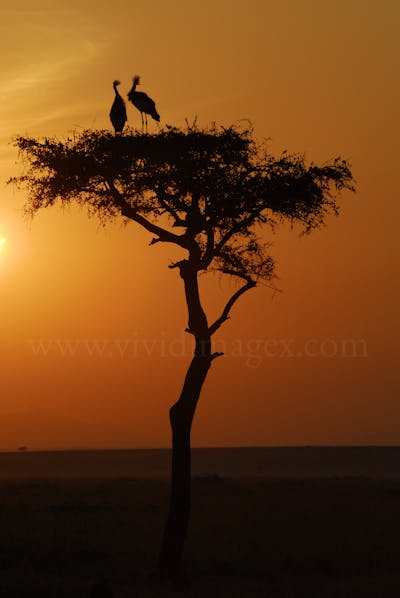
176 264
225 312
168 209
129 212
215 355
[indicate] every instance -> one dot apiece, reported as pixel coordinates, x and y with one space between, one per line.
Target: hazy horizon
211 463
49 449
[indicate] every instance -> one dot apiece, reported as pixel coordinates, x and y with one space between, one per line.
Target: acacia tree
214 193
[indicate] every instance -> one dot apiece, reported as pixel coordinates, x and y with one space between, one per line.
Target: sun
3 241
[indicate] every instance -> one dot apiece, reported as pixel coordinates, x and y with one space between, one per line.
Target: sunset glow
3 241
93 344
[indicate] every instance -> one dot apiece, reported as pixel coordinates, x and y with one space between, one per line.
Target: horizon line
27 449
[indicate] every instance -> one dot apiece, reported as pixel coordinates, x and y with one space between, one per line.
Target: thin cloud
57 70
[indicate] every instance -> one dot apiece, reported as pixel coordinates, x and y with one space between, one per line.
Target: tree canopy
214 186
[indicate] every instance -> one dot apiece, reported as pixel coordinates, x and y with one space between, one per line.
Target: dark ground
316 537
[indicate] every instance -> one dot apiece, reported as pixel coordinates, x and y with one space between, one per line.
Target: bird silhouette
118 111
142 102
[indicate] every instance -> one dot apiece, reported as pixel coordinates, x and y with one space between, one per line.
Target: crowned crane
118 111
143 103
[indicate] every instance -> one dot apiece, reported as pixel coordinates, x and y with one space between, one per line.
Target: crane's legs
144 121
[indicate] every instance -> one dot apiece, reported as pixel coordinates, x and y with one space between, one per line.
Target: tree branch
129 212
163 234
243 224
168 208
225 312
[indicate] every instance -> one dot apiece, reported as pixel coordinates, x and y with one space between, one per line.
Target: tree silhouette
214 193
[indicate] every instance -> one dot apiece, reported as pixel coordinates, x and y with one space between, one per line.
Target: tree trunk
181 417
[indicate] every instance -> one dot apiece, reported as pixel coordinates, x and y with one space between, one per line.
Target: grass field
252 537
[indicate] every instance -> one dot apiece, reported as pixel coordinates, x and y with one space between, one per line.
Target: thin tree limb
225 312
129 212
237 228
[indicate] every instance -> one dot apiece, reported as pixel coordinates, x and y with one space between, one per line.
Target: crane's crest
136 79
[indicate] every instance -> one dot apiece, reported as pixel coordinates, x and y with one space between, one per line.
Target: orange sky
312 76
